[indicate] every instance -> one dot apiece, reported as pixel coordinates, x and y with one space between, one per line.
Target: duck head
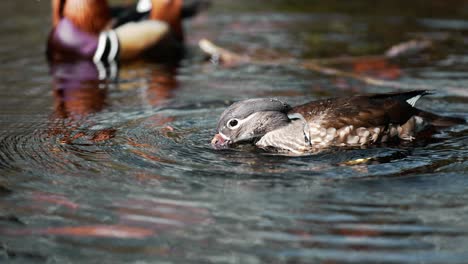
91 16
249 120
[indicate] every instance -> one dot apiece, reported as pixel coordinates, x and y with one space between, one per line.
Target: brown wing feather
361 110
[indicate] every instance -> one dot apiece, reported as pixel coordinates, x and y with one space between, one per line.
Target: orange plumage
92 16
168 11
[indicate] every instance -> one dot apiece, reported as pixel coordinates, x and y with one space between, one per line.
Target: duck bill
220 142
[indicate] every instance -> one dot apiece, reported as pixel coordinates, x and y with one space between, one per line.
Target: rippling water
122 170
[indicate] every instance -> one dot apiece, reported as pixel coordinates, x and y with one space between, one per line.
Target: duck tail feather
440 121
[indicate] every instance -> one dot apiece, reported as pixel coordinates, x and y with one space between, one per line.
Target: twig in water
220 55
229 58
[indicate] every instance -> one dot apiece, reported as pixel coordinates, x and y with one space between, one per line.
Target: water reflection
78 90
155 83
81 89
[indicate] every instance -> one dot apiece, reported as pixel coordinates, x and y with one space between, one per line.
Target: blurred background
121 170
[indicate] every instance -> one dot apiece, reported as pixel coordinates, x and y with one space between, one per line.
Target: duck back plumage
353 121
361 110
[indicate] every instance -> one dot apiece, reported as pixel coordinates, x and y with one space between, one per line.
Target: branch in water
228 58
221 56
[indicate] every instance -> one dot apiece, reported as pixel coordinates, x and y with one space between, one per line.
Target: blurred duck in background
92 30
90 39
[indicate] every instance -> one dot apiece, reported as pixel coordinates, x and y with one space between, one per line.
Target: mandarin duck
346 121
90 29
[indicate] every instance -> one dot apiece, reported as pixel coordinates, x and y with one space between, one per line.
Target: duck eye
233 123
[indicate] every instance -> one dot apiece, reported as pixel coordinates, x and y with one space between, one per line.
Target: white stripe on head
241 121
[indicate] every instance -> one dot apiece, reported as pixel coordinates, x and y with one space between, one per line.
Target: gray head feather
245 108
252 118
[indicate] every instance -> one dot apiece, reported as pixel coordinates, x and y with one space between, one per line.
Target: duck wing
375 110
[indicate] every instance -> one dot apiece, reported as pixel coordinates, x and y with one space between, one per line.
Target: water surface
122 170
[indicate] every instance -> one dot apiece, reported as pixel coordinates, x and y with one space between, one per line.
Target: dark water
122 171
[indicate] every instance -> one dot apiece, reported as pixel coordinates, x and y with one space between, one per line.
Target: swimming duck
87 29
346 121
